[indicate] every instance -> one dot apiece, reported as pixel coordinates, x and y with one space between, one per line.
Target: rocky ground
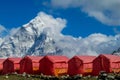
102 76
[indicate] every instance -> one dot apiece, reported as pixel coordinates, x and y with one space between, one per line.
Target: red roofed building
80 65
1 65
54 65
30 64
11 65
106 62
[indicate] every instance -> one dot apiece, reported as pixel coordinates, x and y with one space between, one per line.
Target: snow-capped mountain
32 38
42 35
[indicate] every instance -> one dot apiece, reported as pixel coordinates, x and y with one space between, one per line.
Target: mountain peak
36 34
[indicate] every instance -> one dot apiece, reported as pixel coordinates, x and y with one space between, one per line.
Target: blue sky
80 20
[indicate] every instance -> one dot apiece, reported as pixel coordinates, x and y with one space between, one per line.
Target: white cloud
106 11
2 28
65 3
94 44
55 24
86 46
